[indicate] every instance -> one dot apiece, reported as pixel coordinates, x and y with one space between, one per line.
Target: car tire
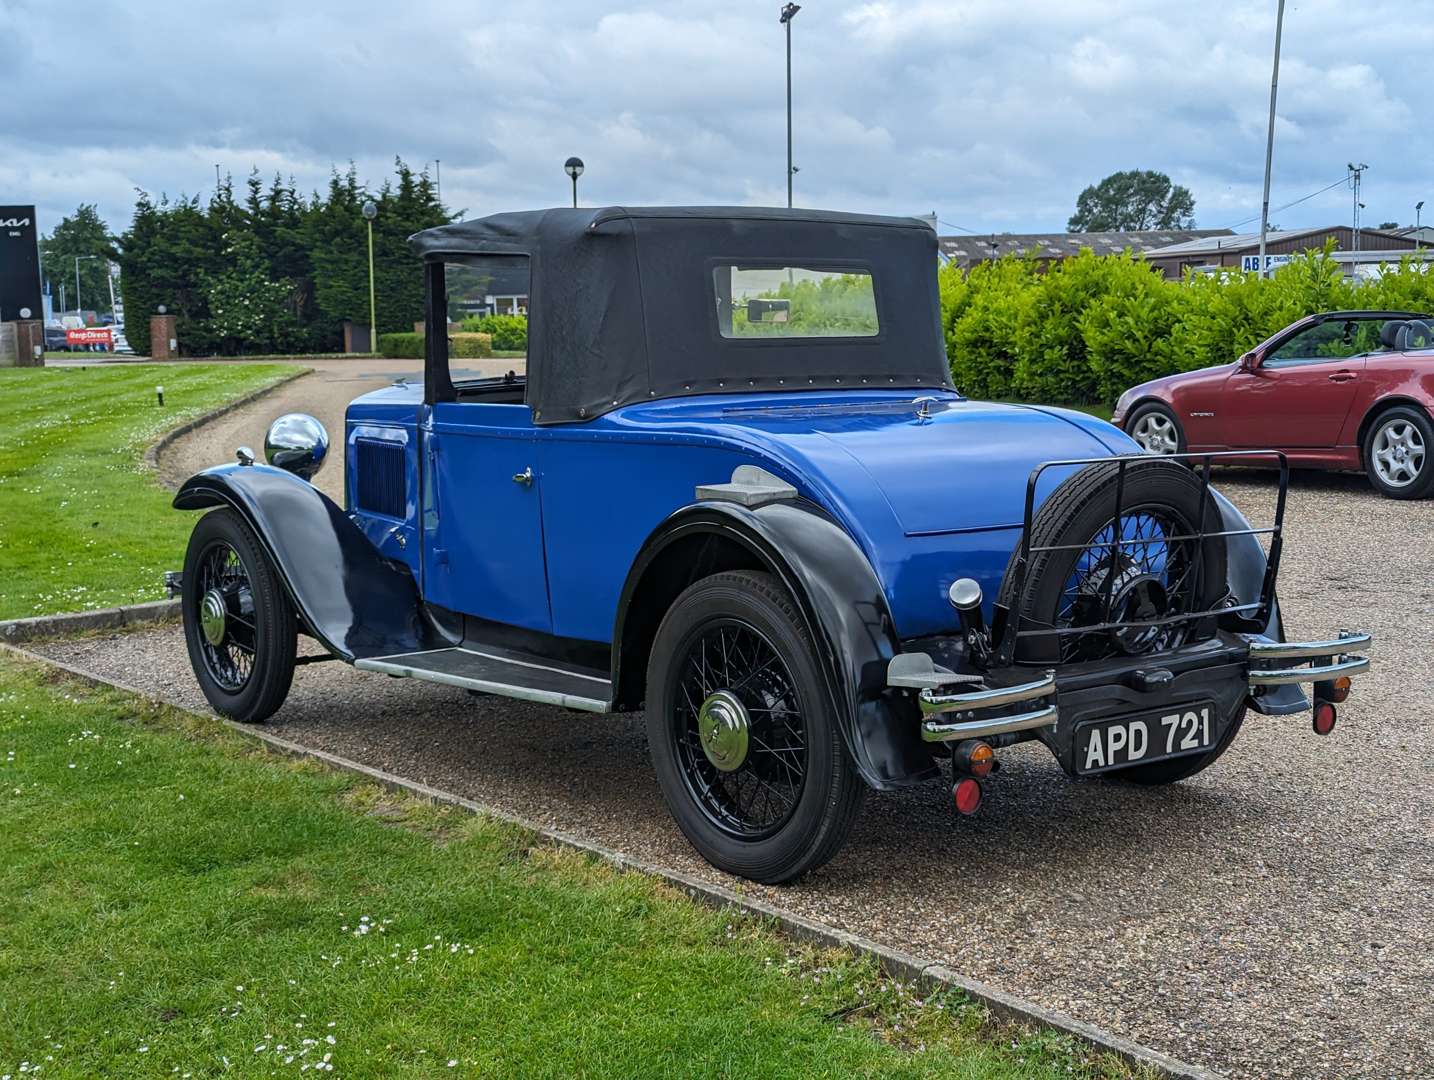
1073 515
239 623
741 731
1156 429
1399 453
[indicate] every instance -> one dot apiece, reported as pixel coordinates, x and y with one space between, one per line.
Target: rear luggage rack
1251 616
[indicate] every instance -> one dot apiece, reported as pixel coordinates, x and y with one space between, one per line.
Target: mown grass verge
179 902
83 524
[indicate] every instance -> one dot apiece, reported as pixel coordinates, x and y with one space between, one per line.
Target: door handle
525 477
1342 376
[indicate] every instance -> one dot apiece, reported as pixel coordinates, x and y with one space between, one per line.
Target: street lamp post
1270 137
370 211
1418 211
574 168
789 12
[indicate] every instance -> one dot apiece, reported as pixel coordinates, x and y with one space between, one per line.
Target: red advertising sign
88 337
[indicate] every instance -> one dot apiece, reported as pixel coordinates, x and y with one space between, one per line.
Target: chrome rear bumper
950 713
1316 661
969 704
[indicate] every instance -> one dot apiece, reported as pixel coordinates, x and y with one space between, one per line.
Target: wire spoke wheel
225 596
741 736
1135 582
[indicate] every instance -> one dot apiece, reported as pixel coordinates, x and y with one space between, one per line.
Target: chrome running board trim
489 674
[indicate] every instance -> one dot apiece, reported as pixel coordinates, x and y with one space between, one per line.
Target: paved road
324 394
1271 917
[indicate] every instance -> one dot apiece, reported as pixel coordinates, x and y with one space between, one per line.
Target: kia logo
14 223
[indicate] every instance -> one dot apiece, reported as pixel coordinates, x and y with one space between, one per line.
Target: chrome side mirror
297 442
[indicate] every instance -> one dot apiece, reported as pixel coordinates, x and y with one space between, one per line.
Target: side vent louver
381 485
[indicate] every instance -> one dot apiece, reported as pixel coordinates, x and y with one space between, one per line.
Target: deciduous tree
1134 199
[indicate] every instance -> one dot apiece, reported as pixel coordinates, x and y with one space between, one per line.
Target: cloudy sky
993 113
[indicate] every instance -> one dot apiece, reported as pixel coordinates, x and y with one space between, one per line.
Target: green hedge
1092 326
461 345
509 332
401 346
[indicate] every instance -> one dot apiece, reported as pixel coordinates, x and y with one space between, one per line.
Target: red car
1342 390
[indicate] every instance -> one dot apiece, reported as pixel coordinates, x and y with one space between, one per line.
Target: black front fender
354 600
846 613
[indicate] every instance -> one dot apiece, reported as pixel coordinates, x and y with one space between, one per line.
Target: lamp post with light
1418 212
788 13
574 168
370 211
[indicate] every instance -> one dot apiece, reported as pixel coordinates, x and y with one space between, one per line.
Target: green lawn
176 901
83 524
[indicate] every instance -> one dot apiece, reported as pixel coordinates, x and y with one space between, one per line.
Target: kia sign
19 262
88 337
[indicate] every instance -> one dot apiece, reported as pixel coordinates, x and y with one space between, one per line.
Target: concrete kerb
895 963
78 622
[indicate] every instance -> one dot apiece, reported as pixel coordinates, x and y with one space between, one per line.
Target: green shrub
1091 326
462 345
401 346
470 346
509 332
984 338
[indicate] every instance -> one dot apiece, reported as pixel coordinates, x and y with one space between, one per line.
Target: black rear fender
835 588
358 603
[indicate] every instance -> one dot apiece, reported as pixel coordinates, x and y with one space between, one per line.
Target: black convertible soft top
621 304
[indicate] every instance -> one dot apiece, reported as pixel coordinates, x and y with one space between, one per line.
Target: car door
1298 394
482 515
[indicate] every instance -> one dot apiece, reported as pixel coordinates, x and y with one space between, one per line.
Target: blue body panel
926 499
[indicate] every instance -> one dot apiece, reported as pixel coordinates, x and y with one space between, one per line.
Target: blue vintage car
735 488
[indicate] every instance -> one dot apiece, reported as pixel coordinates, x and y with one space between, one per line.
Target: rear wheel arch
828 578
1375 411
654 584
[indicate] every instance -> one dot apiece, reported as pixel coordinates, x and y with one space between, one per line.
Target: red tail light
1324 717
967 794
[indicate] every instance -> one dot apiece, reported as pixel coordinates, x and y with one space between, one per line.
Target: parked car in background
56 339
1350 390
734 488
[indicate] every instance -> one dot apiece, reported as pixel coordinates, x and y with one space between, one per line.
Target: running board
496 673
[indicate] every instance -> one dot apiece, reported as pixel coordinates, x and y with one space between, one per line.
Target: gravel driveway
1271 917
324 394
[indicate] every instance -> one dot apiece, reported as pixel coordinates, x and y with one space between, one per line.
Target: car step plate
1143 737
492 673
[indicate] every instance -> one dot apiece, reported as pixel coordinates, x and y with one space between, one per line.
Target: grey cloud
992 113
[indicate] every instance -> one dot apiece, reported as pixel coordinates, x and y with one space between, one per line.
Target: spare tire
1148 577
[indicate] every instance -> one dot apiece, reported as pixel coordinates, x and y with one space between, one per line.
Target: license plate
1141 737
